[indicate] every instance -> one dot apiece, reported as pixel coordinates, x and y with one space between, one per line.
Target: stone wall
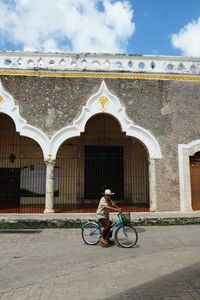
169 109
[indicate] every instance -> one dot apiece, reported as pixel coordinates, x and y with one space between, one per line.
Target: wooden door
195 183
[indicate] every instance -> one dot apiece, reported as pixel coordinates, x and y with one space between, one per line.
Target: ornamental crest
103 100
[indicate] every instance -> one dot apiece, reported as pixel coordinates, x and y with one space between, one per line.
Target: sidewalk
56 264
62 220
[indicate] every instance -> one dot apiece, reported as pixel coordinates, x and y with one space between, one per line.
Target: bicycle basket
126 218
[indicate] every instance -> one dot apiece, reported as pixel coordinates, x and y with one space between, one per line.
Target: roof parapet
84 62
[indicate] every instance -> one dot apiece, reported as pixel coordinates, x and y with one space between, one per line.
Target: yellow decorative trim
50 155
103 100
1 99
100 75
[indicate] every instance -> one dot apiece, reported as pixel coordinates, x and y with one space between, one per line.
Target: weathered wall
50 103
169 109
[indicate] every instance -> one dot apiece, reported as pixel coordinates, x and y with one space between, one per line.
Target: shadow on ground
139 230
183 285
19 231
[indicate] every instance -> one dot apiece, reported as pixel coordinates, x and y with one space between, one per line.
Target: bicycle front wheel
126 236
91 233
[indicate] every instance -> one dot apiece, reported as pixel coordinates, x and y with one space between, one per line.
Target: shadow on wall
183 284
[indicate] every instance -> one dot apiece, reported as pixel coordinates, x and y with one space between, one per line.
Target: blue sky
170 27
156 20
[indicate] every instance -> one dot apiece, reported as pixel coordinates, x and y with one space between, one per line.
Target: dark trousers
106 228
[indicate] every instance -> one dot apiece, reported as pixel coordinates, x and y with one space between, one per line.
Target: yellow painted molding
100 75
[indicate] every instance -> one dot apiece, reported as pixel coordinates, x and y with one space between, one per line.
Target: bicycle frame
116 224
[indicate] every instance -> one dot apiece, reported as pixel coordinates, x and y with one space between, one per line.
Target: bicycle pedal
111 242
104 245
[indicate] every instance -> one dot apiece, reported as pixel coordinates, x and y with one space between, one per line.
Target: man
105 206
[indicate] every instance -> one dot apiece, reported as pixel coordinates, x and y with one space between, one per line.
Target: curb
22 221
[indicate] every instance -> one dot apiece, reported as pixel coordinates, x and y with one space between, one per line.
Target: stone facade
166 107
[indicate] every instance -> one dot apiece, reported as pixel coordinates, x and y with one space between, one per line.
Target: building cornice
84 64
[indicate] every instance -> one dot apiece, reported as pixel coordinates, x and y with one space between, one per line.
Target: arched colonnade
103 104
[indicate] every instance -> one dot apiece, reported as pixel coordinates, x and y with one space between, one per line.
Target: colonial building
72 125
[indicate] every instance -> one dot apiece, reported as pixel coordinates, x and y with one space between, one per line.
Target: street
56 264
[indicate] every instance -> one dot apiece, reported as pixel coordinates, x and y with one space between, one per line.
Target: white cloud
188 39
66 25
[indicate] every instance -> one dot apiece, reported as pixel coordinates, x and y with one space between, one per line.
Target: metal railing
81 183
79 180
22 185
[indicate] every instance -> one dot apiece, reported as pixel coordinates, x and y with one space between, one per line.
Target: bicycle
125 234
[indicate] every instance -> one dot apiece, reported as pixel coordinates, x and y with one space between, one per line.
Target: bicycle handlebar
120 213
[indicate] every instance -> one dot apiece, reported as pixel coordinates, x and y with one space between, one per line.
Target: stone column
152 185
49 186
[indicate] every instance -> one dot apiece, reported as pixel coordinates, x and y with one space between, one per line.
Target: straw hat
108 192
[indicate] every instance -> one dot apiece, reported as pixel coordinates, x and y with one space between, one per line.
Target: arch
105 122
105 102
6 123
8 107
184 153
22 171
103 156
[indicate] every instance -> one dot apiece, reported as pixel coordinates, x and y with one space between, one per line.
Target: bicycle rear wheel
91 233
126 236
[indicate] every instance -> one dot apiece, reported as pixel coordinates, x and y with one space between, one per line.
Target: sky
148 27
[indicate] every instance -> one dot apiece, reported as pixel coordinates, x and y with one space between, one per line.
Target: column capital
50 161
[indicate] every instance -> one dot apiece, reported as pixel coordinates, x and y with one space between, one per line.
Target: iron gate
81 181
22 171
22 186
103 169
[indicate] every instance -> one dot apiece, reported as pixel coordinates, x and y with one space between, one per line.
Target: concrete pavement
56 264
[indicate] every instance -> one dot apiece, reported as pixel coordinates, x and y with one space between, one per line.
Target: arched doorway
195 180
22 171
102 157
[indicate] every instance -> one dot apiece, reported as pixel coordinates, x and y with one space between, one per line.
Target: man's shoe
103 241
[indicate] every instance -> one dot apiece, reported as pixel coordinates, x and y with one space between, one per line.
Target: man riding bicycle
105 206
